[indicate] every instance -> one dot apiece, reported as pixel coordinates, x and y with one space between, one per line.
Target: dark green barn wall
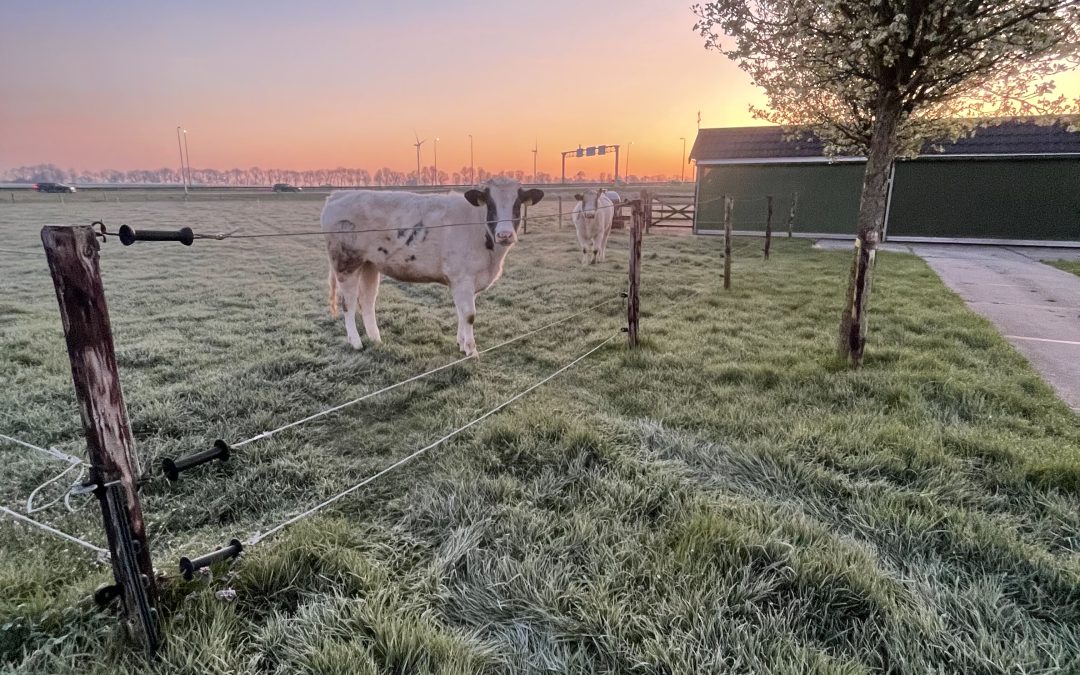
828 196
987 198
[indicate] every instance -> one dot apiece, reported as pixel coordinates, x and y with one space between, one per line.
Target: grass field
728 498
1067 265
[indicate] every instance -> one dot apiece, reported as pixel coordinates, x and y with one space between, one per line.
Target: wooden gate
668 210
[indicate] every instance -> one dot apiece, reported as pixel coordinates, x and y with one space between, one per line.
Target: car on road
285 187
53 187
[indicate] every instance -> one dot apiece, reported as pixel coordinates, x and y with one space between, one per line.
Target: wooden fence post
728 204
525 219
72 254
791 214
646 207
768 225
560 212
637 221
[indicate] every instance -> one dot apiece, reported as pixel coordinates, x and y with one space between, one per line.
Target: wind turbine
418 143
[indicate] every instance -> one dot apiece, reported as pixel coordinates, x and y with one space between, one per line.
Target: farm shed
1018 181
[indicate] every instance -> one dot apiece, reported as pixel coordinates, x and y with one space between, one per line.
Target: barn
1015 182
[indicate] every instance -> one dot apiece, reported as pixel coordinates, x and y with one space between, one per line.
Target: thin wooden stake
525 219
791 213
560 212
646 207
768 225
728 204
72 254
637 220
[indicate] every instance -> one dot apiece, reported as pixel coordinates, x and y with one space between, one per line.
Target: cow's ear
476 197
530 197
578 197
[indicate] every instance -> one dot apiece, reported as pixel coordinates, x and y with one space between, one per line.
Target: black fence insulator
188 566
106 593
129 236
173 467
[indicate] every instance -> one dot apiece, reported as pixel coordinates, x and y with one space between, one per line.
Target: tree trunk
871 222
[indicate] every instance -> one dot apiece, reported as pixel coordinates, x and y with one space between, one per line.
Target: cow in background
592 217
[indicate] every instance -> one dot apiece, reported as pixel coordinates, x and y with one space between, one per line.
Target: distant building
1018 181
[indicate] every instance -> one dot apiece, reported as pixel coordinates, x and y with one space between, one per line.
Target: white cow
419 238
592 218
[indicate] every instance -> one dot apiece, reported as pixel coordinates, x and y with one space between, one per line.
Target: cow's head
589 199
504 198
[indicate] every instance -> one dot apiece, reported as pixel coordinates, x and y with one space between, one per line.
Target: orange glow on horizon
266 86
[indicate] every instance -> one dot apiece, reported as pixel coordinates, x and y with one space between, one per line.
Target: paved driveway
1035 306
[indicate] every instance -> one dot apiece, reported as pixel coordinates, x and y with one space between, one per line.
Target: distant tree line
339 177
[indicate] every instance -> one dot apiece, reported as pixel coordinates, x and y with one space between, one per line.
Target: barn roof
1012 137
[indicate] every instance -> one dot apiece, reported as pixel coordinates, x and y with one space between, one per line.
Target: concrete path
1035 306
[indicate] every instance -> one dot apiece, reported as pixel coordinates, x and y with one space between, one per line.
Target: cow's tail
332 292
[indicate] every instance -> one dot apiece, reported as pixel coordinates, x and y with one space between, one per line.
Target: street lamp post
626 167
188 154
536 148
682 167
180 148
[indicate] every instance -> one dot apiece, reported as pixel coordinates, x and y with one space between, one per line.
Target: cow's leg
465 302
369 290
604 234
332 294
349 285
584 243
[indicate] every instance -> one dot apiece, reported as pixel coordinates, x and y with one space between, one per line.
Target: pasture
728 498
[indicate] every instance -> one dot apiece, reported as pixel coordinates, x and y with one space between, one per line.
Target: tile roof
1014 137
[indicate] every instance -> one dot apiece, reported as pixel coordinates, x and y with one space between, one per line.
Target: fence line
262 536
51 452
55 532
268 434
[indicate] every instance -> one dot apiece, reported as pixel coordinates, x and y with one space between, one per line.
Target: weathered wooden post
72 254
560 212
768 225
728 204
525 219
791 213
637 221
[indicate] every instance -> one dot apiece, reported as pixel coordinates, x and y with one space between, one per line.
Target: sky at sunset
305 85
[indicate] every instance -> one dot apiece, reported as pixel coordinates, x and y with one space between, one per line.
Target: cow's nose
504 239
